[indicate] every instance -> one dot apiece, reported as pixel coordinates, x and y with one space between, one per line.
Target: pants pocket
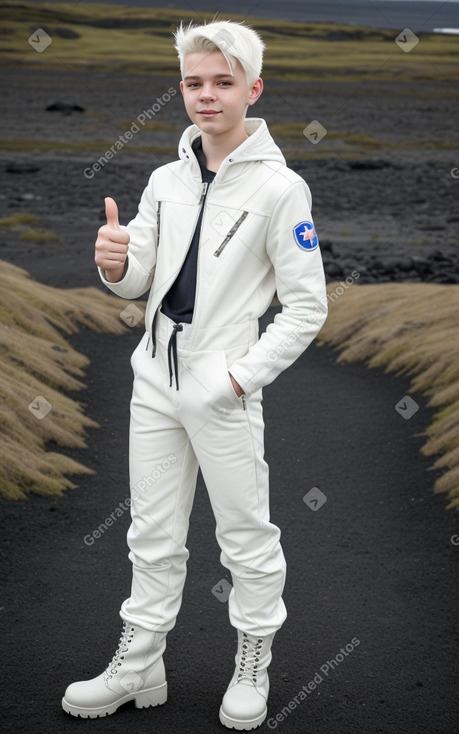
206 386
141 345
229 399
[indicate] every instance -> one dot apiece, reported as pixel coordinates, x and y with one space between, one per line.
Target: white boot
244 703
135 672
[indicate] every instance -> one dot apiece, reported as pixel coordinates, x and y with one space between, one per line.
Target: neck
218 147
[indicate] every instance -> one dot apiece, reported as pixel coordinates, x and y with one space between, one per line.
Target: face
215 100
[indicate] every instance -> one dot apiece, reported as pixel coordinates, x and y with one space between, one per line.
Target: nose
207 92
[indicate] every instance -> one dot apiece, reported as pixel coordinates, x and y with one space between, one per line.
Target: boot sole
142 699
241 725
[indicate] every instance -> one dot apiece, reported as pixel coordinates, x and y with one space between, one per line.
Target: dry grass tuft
37 366
16 221
41 237
410 329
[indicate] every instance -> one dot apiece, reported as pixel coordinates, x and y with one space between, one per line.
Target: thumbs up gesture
111 244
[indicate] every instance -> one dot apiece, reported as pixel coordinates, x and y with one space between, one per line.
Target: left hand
237 388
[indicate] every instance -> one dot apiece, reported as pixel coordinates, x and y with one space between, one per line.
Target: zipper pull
204 192
244 403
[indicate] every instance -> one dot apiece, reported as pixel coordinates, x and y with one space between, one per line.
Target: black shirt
178 303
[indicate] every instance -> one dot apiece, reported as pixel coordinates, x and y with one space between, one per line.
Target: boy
217 233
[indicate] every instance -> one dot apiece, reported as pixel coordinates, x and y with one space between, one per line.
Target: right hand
111 244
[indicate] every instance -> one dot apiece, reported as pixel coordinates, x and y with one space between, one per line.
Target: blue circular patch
306 236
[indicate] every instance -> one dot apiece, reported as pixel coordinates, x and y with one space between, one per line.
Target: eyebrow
216 76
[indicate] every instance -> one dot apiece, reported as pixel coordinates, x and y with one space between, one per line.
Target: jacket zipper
230 234
201 203
158 219
205 187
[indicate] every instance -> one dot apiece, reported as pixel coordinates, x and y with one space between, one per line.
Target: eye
193 85
226 84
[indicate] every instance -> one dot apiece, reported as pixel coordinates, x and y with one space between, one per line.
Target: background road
375 562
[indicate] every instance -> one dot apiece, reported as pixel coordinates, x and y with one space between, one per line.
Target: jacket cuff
109 283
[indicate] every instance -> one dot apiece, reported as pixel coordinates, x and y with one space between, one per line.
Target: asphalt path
371 591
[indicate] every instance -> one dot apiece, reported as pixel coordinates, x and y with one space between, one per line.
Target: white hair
234 40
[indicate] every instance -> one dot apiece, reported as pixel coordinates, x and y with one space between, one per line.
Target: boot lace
127 635
249 658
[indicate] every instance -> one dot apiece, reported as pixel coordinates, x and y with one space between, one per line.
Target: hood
259 146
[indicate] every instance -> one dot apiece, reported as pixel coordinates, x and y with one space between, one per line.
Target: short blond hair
234 40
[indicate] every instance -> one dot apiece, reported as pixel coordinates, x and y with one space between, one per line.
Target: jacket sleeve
141 259
300 283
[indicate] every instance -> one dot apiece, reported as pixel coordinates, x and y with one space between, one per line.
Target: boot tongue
250 657
123 647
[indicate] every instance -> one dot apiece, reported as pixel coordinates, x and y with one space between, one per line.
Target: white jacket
251 246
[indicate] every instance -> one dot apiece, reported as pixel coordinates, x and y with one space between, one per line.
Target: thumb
111 212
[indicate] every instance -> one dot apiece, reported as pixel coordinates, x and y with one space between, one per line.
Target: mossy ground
112 38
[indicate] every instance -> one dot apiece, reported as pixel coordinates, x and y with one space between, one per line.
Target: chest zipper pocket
230 234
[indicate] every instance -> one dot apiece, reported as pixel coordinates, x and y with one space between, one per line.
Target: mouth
208 113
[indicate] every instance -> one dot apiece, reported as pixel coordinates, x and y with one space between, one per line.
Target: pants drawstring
172 351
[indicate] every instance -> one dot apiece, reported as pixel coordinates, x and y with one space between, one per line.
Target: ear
181 87
255 91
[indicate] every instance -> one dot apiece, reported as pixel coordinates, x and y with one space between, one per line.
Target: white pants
173 432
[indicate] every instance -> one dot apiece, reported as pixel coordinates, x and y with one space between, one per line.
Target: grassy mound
37 366
410 329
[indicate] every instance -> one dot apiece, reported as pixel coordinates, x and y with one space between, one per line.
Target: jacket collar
259 146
